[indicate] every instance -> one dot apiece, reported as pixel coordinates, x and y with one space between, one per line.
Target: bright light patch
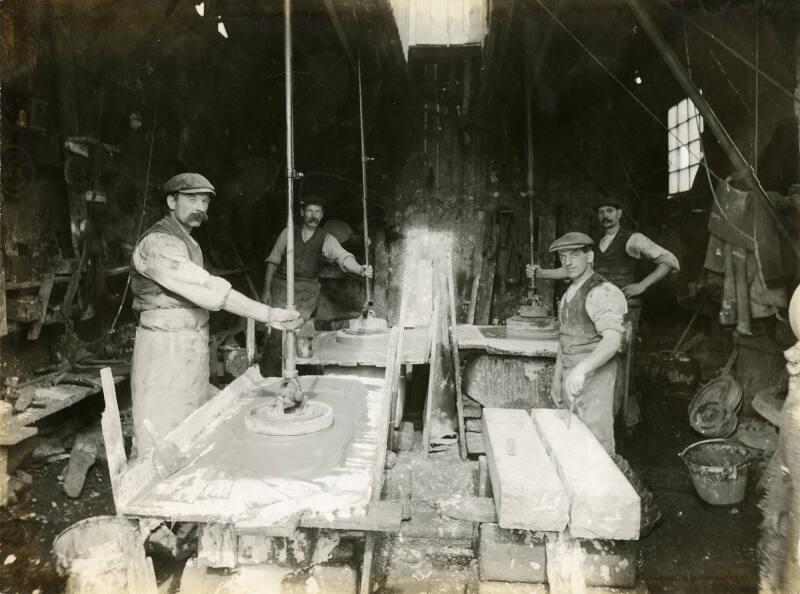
638 80
200 8
221 29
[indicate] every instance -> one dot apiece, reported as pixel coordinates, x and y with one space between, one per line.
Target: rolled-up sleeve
333 251
278 250
164 259
606 306
640 246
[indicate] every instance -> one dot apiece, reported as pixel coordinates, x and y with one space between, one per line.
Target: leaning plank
603 503
528 492
112 434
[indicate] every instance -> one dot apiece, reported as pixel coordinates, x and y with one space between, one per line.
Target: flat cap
189 183
315 199
570 241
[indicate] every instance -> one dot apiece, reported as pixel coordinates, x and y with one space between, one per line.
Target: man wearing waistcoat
312 245
591 330
173 293
616 258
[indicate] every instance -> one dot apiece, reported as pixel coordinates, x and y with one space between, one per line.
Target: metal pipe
364 160
289 366
715 125
529 122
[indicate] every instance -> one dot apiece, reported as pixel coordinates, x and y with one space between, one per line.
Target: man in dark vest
617 257
173 293
312 245
591 330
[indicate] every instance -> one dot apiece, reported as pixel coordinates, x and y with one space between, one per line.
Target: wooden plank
392 370
469 509
82 457
3 319
48 280
475 443
112 435
452 328
484 482
23 308
603 504
366 564
383 516
528 492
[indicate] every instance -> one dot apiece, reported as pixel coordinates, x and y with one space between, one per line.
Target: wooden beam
603 504
112 435
528 492
48 280
452 329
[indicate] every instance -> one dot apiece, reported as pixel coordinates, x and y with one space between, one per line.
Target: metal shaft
363 181
529 123
289 365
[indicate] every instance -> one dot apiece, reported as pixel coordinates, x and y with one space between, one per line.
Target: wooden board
451 328
603 504
500 381
372 352
471 338
440 430
257 502
48 280
528 492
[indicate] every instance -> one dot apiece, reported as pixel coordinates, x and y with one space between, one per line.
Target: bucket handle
713 440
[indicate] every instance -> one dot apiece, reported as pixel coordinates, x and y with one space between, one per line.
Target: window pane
673 183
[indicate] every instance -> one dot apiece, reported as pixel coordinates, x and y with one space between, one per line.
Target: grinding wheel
264 419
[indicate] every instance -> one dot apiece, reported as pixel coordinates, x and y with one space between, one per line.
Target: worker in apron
617 256
312 245
591 330
173 294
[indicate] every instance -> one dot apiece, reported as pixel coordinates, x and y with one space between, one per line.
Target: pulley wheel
264 419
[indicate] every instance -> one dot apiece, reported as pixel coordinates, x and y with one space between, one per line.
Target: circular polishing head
368 325
266 419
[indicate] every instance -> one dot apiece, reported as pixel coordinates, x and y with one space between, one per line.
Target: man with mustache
173 293
591 330
312 245
617 260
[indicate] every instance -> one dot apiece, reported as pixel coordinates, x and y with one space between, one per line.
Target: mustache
198 216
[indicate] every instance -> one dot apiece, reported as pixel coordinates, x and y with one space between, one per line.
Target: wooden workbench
371 352
504 372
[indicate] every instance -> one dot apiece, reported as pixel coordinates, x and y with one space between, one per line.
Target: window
684 150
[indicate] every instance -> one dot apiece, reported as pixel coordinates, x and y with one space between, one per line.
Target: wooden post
462 440
250 341
112 436
48 280
3 320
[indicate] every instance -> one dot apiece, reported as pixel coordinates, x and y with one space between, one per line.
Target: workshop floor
698 549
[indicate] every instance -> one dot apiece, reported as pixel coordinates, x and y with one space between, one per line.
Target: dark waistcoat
615 265
307 255
148 294
577 332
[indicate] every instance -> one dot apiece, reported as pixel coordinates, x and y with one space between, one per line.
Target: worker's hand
285 319
367 272
575 382
531 270
266 298
633 290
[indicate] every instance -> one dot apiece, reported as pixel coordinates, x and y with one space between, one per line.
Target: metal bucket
104 554
718 469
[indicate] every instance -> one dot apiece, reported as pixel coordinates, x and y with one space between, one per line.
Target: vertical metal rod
529 123
755 107
363 181
290 367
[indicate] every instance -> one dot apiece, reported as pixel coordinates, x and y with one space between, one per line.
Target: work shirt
165 260
640 247
331 249
606 305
